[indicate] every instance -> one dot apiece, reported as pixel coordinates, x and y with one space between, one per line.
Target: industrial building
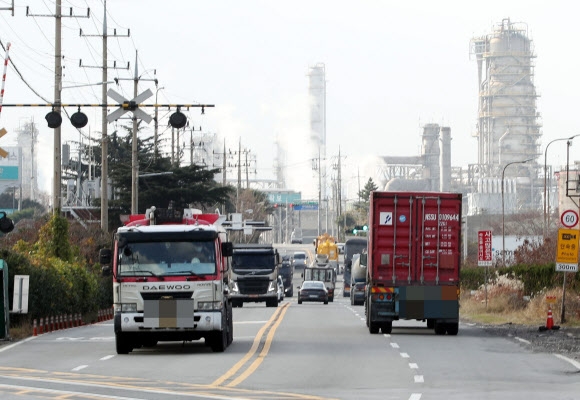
508 134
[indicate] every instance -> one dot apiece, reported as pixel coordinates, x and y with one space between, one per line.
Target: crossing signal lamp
53 119
79 119
177 119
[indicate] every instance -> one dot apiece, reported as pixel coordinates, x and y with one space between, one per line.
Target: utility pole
317 167
57 173
134 144
134 148
104 123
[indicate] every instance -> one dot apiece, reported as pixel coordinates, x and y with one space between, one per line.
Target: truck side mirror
227 249
363 259
105 261
105 256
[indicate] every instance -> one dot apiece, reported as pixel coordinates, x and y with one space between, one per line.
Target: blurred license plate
313 296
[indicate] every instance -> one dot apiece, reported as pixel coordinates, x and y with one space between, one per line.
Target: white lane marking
387 335
522 340
415 396
394 345
107 357
413 366
419 379
362 319
404 355
575 363
79 367
250 322
17 343
66 392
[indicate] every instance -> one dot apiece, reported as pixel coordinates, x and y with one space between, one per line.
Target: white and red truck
413 263
170 279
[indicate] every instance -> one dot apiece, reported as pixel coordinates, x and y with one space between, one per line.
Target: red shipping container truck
414 260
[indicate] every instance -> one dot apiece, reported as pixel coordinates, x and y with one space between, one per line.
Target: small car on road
300 259
312 291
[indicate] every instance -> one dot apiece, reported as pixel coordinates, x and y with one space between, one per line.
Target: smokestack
445 159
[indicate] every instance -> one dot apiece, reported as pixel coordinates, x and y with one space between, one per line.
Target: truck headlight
235 288
209 305
128 307
272 287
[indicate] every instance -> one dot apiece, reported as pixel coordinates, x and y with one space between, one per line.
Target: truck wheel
230 325
430 323
373 328
453 328
290 292
299 301
367 314
218 341
440 328
272 303
387 327
122 344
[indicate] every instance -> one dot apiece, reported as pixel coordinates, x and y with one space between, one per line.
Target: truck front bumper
200 321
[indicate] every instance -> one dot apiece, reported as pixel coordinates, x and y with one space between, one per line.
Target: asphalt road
307 351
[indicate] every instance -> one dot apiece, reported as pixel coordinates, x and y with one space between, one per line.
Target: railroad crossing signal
129 105
3 153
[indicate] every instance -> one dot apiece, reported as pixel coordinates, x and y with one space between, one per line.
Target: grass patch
506 304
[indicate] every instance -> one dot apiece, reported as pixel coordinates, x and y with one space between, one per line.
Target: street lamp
546 208
503 205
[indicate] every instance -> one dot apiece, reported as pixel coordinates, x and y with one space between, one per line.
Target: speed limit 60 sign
569 218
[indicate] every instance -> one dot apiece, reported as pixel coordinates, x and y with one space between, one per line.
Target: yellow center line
252 368
232 371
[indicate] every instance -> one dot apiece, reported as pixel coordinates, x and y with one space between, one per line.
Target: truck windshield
252 262
167 258
323 275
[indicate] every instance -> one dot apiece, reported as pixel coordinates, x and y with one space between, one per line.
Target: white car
280 288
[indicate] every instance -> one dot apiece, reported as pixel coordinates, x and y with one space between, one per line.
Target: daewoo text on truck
169 271
413 260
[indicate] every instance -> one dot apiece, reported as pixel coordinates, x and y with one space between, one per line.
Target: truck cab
169 271
254 274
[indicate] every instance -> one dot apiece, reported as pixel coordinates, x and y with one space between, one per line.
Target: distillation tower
508 127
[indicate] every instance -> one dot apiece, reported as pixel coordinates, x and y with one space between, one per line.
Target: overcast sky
391 67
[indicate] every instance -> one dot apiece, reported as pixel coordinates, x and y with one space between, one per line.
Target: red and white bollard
41 326
34 329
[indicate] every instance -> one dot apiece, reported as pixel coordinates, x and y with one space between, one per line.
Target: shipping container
414 260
